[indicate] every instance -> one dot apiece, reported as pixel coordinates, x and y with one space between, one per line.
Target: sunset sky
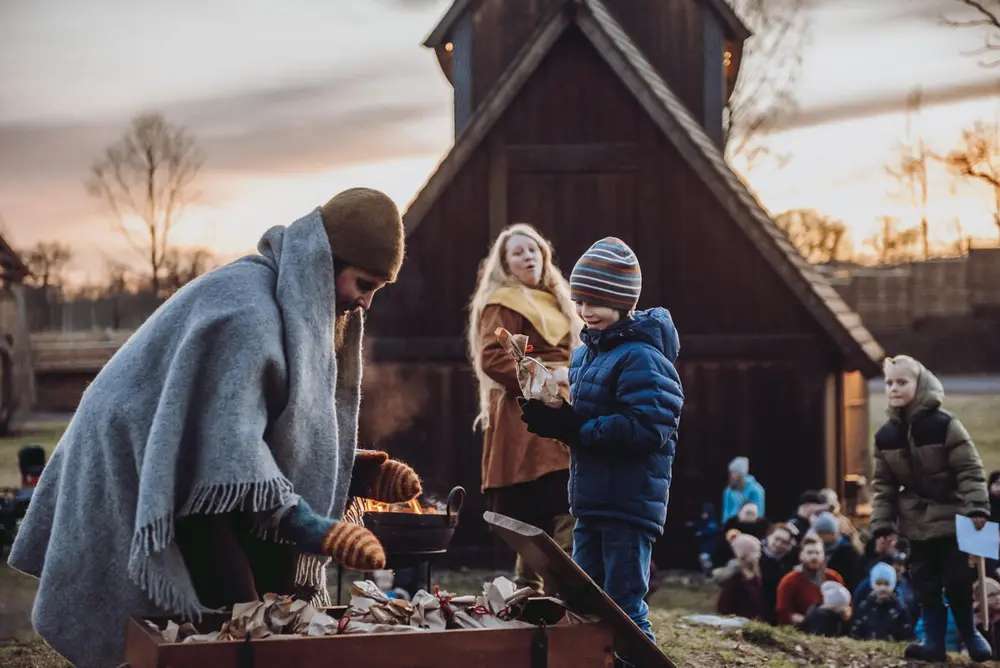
296 100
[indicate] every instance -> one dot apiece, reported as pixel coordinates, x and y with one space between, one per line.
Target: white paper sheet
984 543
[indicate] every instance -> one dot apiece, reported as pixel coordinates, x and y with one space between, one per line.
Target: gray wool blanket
228 398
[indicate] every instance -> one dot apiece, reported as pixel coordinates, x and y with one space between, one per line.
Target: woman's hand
561 376
979 523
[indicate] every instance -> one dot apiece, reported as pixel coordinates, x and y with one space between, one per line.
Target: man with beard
211 459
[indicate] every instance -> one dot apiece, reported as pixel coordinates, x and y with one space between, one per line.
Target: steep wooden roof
689 138
736 29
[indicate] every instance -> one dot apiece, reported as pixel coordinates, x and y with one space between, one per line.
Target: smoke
394 397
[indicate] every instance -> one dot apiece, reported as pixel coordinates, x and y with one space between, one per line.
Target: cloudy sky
295 100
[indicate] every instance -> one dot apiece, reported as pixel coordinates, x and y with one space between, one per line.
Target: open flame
412 506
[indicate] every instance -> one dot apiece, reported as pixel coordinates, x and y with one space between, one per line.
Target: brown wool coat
511 455
927 469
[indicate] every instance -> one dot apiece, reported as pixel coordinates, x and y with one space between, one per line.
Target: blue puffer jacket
623 381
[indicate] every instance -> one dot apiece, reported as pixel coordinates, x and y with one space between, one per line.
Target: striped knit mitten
350 545
395 482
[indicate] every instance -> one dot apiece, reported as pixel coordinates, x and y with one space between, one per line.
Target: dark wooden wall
753 361
670 32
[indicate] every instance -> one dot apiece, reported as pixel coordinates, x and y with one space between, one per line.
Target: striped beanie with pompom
608 275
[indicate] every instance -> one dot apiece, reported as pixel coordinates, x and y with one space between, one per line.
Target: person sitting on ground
840 554
903 589
927 471
830 617
810 504
993 610
777 560
706 533
741 488
847 528
741 594
800 590
747 521
880 615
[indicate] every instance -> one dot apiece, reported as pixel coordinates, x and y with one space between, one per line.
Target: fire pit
411 534
411 529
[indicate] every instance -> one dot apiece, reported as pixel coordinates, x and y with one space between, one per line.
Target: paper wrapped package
535 379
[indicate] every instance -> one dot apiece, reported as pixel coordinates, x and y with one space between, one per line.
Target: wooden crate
574 646
582 645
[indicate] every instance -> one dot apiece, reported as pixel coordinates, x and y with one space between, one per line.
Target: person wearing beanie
742 488
840 553
927 471
880 615
741 593
211 460
621 424
830 616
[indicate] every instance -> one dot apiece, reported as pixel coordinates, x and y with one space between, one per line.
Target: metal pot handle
456 499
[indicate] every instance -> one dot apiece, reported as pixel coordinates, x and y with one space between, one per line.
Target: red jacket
797 593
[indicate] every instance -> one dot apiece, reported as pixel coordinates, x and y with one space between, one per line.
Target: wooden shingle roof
690 140
736 28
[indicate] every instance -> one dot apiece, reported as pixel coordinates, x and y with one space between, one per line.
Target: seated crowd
818 572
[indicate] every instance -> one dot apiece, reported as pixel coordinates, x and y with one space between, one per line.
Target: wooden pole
983 601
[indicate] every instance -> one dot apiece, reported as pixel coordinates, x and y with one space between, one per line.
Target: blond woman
520 289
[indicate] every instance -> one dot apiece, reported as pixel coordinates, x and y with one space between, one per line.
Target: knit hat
366 231
608 275
744 545
826 523
740 465
883 571
835 595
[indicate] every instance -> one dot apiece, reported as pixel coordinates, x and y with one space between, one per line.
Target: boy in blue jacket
621 426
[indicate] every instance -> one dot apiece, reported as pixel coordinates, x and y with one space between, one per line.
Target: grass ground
690 644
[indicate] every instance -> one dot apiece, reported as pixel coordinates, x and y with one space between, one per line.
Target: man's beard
340 331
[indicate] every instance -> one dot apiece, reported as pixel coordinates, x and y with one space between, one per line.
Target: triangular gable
737 29
690 140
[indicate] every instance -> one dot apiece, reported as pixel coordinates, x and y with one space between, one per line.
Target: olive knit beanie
365 230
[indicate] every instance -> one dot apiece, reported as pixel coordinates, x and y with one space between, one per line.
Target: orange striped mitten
395 482
354 547
351 545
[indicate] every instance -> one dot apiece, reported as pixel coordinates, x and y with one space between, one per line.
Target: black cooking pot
415 533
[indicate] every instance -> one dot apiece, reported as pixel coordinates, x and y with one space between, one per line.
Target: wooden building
590 118
65 363
16 378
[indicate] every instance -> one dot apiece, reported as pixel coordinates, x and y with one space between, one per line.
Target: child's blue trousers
616 556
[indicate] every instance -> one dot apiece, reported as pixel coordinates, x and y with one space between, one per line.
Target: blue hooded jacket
623 382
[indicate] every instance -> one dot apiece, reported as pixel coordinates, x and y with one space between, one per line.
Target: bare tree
909 168
47 260
985 16
147 176
180 267
770 65
978 158
894 244
818 238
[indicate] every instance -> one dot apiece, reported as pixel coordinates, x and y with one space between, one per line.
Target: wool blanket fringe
231 397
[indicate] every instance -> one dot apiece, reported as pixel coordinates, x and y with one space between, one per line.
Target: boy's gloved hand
562 423
379 478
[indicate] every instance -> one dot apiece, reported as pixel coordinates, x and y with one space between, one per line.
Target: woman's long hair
494 274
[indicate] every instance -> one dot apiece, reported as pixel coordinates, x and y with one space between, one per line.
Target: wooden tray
586 645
